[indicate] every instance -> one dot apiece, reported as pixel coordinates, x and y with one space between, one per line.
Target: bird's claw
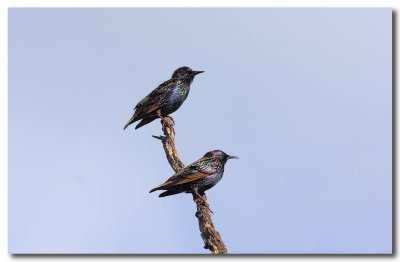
165 123
168 125
204 201
209 209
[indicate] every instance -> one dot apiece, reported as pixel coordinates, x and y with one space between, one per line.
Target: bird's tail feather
133 119
144 122
169 193
154 189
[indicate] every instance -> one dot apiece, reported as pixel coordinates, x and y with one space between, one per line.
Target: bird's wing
195 171
190 173
153 100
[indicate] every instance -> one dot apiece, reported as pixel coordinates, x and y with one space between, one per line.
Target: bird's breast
181 90
214 178
178 95
174 99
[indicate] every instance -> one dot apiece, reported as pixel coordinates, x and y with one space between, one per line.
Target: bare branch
212 239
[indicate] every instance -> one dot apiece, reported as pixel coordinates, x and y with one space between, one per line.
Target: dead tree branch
212 239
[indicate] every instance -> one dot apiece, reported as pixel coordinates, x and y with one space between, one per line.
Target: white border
4 5
202 3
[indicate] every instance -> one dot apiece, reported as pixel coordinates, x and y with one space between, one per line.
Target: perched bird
197 177
165 99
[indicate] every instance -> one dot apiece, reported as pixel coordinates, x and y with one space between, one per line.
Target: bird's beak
233 157
197 72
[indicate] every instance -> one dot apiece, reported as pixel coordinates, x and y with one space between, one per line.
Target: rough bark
212 239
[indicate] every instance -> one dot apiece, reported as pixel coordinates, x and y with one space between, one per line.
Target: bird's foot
204 201
170 127
167 123
208 207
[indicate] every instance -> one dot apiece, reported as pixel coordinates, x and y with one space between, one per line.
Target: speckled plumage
199 176
165 99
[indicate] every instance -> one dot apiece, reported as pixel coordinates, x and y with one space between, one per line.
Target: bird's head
185 74
219 155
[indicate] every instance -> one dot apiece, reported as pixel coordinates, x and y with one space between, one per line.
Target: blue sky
303 96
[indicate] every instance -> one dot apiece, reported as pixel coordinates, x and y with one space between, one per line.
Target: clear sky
302 96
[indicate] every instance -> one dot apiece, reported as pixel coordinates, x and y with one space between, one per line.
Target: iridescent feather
165 99
198 176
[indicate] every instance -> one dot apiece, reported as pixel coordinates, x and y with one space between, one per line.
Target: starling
165 99
197 177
